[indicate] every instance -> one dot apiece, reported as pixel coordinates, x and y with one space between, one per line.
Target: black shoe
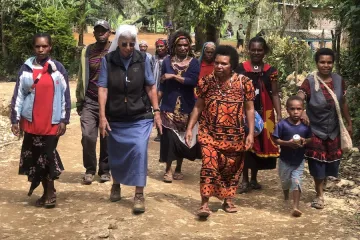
157 138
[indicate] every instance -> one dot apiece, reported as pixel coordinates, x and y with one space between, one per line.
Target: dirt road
85 212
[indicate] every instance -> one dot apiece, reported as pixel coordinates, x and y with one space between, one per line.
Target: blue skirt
127 148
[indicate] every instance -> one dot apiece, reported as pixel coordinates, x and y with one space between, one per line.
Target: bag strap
333 95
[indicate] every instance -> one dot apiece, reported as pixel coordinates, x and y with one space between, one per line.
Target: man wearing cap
87 103
143 46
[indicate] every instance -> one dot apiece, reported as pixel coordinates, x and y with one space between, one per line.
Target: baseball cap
143 43
102 23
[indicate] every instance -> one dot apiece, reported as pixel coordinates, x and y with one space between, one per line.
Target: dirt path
85 212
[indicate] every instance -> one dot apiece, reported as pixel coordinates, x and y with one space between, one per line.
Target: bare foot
296 213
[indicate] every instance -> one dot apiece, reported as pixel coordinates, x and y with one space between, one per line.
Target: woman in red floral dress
224 98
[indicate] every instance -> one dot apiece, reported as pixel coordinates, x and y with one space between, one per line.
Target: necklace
256 67
226 91
178 60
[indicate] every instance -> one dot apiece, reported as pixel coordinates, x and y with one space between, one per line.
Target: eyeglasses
125 44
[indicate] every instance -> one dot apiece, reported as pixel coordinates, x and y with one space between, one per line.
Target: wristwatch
156 110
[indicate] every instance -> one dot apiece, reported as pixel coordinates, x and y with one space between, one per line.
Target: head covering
142 42
121 29
102 23
206 45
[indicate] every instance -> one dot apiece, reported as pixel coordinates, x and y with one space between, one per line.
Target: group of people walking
206 108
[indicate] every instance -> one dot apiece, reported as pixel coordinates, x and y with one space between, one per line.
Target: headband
180 38
160 41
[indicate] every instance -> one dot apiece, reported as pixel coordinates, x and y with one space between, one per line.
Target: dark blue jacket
172 89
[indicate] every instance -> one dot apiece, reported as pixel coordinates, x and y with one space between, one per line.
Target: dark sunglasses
125 44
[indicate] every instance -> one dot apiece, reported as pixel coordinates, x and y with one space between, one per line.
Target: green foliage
288 55
32 20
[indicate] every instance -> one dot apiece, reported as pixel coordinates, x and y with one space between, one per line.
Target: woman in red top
207 59
41 108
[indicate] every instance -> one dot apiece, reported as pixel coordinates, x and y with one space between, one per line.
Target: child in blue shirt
291 160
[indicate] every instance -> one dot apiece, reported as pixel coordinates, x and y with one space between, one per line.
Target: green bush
288 55
32 20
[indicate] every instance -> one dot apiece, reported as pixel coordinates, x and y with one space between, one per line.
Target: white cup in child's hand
297 139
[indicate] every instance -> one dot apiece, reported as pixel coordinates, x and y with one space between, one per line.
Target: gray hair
127 31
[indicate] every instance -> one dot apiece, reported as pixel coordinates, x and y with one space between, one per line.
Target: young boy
291 161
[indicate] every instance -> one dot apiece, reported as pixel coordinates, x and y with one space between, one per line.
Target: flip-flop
318 203
40 202
178 176
229 207
168 177
50 203
244 188
203 212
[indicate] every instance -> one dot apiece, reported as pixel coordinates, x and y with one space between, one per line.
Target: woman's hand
249 142
158 122
188 137
61 129
304 118
104 127
166 76
15 129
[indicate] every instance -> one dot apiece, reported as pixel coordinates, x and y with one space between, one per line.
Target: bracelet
156 110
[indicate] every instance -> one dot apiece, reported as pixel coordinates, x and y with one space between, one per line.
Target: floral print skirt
39 159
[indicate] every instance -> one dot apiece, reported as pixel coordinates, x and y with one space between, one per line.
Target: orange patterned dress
222 134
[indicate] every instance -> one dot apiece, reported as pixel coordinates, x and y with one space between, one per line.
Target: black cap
102 23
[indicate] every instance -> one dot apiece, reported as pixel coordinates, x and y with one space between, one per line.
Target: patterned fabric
305 88
323 150
95 55
157 66
176 121
43 106
264 147
222 134
39 159
222 120
220 172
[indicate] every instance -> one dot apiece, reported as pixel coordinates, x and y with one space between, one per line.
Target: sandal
318 203
229 207
255 185
178 176
244 187
203 212
168 177
50 202
40 202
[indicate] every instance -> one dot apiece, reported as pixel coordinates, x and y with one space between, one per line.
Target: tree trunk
252 13
209 31
3 42
338 51
82 23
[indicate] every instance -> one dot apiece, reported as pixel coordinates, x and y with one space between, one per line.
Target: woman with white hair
127 94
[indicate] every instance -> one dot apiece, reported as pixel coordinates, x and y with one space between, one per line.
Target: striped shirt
95 55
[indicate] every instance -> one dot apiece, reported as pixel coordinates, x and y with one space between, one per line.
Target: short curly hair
324 52
173 38
226 50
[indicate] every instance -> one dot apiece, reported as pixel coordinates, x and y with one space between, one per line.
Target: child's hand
293 144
